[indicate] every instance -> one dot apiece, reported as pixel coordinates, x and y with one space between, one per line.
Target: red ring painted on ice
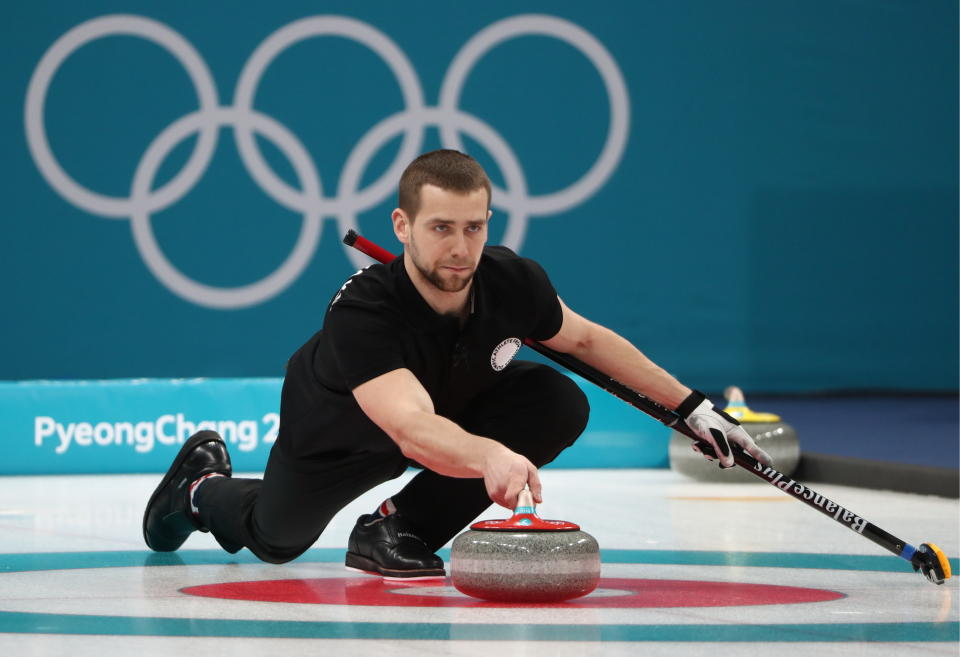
614 592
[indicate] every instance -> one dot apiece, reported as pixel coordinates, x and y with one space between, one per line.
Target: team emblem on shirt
504 352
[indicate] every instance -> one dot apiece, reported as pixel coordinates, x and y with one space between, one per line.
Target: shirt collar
417 308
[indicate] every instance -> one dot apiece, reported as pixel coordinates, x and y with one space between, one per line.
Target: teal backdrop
775 205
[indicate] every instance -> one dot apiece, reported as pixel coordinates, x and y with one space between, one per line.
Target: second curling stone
525 558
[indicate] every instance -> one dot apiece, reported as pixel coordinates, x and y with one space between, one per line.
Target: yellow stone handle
737 408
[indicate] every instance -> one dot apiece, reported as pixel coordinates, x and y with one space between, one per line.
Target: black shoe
390 547
167 520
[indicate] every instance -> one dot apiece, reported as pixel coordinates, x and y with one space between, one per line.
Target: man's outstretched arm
616 357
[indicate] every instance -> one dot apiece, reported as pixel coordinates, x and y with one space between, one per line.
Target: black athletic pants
314 471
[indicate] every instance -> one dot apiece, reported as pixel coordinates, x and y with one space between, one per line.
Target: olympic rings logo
310 200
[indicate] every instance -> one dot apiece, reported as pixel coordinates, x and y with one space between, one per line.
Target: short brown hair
445 168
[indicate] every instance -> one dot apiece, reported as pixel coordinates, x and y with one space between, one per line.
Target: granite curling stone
775 437
525 558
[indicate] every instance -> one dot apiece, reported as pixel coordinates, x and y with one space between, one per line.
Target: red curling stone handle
525 519
526 522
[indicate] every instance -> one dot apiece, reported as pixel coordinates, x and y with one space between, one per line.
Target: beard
452 283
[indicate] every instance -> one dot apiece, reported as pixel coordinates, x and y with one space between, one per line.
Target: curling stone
772 435
525 558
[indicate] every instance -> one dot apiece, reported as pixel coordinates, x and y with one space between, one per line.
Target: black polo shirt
378 322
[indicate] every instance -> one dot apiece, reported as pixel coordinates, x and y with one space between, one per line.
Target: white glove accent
719 430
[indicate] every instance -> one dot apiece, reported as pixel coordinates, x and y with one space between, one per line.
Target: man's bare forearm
616 357
441 445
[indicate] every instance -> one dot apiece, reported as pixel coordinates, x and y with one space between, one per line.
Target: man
414 365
